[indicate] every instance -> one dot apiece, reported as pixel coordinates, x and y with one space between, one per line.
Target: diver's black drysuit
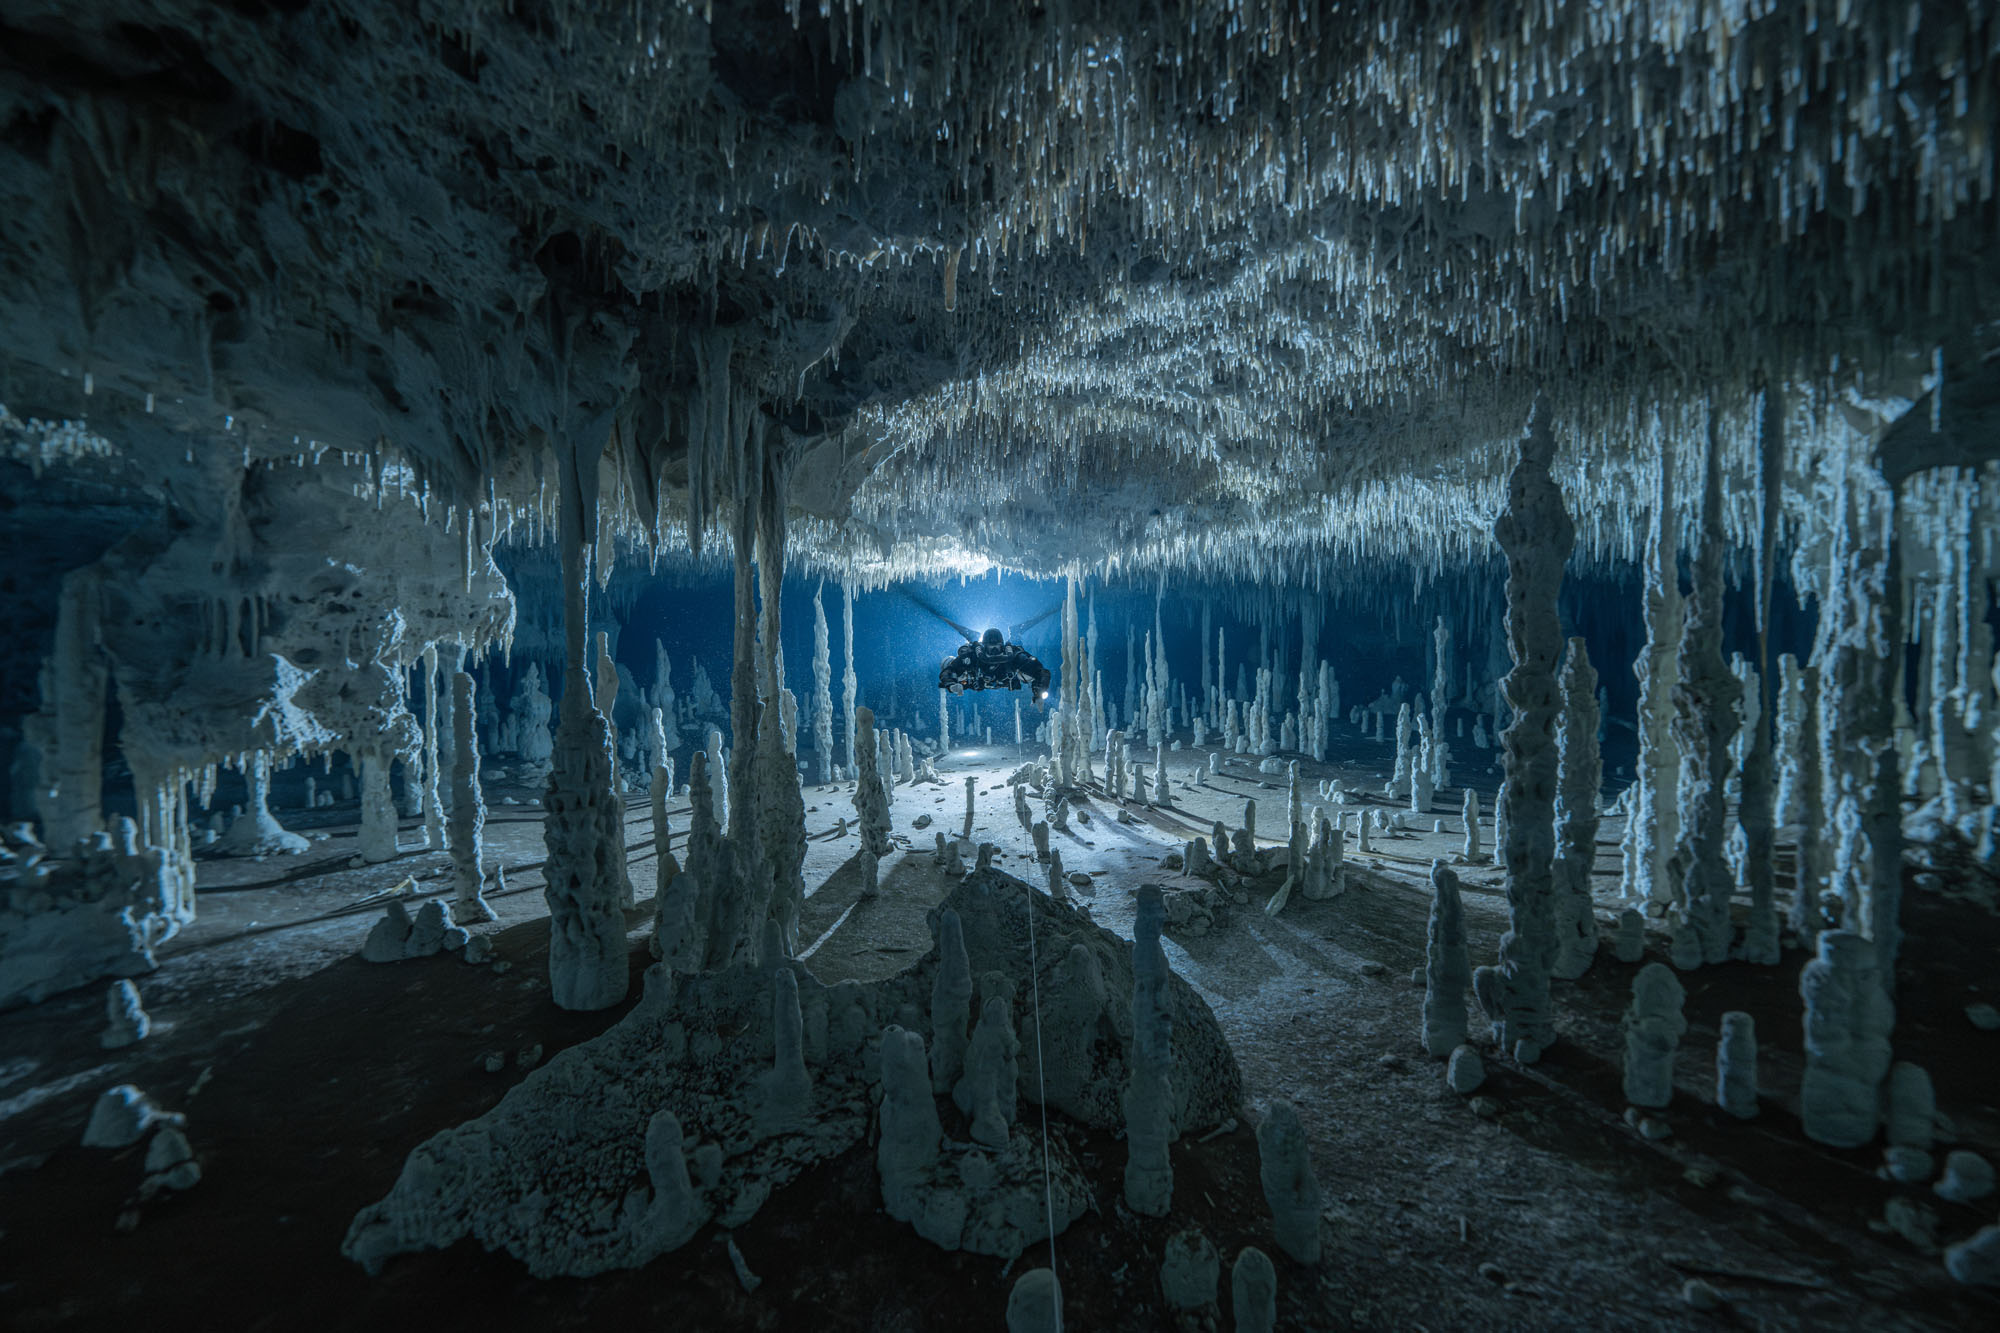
994 664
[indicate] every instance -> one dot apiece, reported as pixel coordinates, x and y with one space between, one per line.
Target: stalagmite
1536 533
683 917
871 802
377 835
1580 773
433 796
1290 1188
718 780
1912 1111
257 832
786 1087
971 789
468 809
908 1148
1628 942
1806 917
1253 1292
1447 968
1653 1028
1848 1019
1406 760
1653 829
1149 1097
665 864
1736 1066
822 699
1469 817
583 830
944 722
1705 701
1756 814
951 1003
1439 755
1034 1303
849 686
125 1020
985 1093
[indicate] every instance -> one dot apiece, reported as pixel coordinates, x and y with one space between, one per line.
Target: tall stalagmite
1580 771
849 685
1652 828
781 807
1756 809
584 829
1536 533
1704 724
871 801
822 692
468 810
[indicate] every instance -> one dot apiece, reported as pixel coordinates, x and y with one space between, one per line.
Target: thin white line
838 922
1042 1086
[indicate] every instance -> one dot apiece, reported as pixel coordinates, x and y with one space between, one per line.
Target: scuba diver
992 663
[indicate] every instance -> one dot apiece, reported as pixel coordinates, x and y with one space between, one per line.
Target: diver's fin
1015 634
919 602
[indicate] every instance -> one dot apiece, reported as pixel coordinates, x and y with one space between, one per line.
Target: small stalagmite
1736 1066
1848 1020
1653 1028
1290 1188
1447 968
1253 1291
986 1091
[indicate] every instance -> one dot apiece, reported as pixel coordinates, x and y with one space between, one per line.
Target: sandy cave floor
307 1075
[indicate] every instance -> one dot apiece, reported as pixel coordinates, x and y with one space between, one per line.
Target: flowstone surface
565 1174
